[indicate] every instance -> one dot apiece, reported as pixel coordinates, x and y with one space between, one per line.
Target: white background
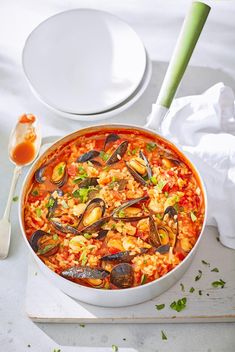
157 23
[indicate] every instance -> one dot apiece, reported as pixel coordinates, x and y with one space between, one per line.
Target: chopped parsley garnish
82 325
219 283
166 194
134 151
192 289
38 212
164 337
35 192
215 270
104 156
84 258
160 306
46 248
60 170
179 305
206 263
115 348
153 179
50 203
15 198
55 237
193 216
200 292
56 350
143 279
199 275
121 214
82 193
151 146
182 287
87 235
159 216
80 178
160 185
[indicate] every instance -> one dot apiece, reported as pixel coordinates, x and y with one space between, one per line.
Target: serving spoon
23 148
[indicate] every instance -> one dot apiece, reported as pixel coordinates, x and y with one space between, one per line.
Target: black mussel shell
50 248
39 174
95 163
111 138
163 249
136 176
64 228
82 272
122 275
95 202
130 219
102 234
52 208
96 226
148 167
153 233
35 238
59 174
122 184
122 257
88 182
118 153
88 156
60 192
129 204
171 211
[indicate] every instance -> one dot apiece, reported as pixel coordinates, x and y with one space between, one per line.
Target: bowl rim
80 132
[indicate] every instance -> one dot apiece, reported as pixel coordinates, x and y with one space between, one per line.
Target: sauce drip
23 153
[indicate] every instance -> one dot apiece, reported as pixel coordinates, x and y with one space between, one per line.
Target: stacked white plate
86 64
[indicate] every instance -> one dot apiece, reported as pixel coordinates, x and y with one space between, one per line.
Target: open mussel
163 249
39 174
64 228
122 275
118 153
88 182
82 272
59 174
160 235
93 212
153 233
44 243
140 169
123 257
172 214
102 234
51 206
88 156
126 211
112 137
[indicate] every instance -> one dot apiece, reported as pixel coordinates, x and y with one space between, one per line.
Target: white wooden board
46 303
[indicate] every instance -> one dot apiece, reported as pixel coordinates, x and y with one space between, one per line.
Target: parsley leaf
115 348
143 279
82 193
87 235
50 203
219 283
104 156
151 146
153 179
192 289
35 192
179 305
182 287
199 275
82 325
200 292
160 185
15 198
215 270
206 263
134 151
164 337
38 212
160 306
55 237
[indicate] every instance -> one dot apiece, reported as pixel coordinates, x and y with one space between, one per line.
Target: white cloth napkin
203 126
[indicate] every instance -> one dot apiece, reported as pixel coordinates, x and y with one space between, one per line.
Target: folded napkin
203 126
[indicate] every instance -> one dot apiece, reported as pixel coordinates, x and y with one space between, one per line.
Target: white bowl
84 61
112 112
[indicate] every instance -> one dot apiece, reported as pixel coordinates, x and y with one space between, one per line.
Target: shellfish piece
93 212
129 204
102 234
44 243
59 174
112 137
39 174
139 165
82 272
153 233
88 182
163 249
148 167
88 156
96 226
122 275
135 175
64 228
118 153
123 257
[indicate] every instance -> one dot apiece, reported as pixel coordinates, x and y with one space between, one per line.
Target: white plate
112 112
84 61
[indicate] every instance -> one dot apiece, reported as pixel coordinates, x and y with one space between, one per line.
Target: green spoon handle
190 32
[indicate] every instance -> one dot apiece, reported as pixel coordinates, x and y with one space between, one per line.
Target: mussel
44 243
173 214
163 249
51 205
59 174
160 235
95 163
64 228
140 169
123 257
122 275
126 205
39 174
88 182
153 233
93 212
112 137
118 153
102 234
88 156
85 272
